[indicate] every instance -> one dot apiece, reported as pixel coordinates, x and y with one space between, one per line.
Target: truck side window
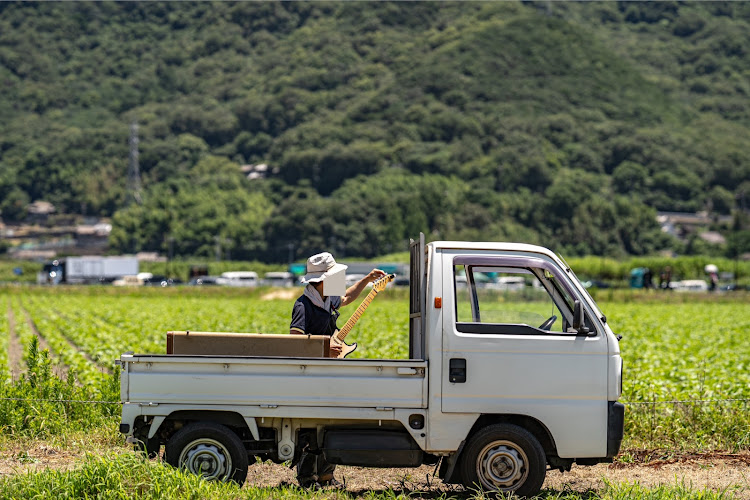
513 300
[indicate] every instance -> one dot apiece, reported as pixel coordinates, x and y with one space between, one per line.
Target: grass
120 476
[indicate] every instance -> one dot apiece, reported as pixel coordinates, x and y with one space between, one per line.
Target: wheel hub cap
206 458
502 466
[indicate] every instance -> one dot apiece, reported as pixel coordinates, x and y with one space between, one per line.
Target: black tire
210 450
504 458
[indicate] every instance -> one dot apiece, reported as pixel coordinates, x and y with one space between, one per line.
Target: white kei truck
501 383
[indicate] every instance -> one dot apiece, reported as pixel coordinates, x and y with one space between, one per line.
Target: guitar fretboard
376 287
355 317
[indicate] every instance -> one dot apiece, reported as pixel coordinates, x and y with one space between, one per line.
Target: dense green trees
566 124
207 212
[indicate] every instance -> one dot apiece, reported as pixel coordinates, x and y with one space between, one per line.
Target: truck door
508 348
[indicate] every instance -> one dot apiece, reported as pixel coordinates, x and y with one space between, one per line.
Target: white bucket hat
320 266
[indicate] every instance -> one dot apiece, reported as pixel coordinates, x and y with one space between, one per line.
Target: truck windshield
582 289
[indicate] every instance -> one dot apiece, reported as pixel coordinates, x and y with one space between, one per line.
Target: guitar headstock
380 284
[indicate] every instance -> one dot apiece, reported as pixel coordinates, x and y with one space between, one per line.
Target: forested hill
566 124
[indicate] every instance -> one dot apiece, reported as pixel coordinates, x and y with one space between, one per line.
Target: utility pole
134 173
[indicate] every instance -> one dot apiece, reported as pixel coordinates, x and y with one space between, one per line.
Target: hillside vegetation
566 124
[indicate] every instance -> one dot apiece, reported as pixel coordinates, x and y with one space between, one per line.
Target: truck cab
512 368
538 356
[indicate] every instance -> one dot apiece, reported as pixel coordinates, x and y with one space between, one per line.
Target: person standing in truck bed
315 313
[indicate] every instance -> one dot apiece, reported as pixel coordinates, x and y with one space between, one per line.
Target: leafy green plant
685 377
40 403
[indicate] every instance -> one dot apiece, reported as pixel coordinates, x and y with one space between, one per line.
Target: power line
626 403
82 401
685 401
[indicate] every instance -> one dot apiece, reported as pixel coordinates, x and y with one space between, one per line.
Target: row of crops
687 364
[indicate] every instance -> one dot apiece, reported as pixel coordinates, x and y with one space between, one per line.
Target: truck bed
273 381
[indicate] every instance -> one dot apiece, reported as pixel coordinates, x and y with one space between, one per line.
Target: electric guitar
338 337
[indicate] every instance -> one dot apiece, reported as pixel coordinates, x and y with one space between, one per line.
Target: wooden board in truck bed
248 344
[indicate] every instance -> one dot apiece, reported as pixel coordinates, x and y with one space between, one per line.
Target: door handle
457 370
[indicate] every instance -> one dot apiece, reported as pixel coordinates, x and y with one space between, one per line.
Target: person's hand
335 350
375 275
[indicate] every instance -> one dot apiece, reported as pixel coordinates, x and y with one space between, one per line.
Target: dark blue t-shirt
313 320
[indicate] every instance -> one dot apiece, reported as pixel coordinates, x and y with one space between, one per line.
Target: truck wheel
209 450
504 458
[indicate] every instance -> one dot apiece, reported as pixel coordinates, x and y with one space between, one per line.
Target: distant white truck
498 385
88 269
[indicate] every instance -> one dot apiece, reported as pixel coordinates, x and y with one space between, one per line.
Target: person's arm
356 289
297 327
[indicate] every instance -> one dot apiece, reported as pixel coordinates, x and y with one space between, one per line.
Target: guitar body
345 348
337 339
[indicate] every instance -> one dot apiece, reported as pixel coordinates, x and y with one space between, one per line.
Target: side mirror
579 319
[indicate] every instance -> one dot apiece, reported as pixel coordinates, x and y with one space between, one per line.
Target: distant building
91 236
150 257
712 237
40 210
682 224
39 239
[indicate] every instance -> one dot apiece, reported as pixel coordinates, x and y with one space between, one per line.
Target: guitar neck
341 334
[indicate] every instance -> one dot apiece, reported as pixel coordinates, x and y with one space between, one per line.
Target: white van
238 278
278 278
689 286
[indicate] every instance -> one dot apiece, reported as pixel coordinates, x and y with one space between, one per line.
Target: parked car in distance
401 280
507 284
238 278
731 287
689 286
278 278
162 281
594 283
128 281
204 281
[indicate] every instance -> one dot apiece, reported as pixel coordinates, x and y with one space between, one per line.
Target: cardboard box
248 344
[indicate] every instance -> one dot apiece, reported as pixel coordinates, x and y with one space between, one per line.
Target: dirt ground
285 294
15 350
715 471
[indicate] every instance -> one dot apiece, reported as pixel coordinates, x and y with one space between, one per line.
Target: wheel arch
531 424
229 418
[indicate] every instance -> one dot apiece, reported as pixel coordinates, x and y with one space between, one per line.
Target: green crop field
686 366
